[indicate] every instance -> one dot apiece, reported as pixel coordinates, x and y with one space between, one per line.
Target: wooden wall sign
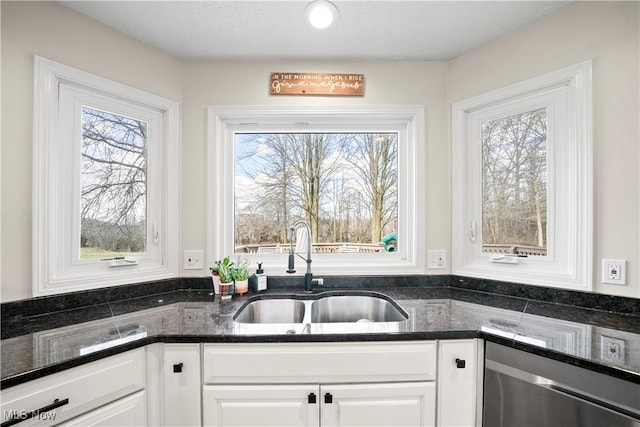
327 84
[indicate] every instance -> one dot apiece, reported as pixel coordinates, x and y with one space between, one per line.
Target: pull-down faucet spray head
291 268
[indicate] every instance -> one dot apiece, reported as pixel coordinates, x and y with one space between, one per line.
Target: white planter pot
242 286
216 283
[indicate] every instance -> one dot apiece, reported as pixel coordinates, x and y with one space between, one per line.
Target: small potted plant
240 275
222 277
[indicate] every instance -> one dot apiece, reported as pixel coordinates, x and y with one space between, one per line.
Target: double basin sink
320 308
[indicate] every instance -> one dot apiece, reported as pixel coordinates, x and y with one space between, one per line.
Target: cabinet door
129 411
389 404
459 389
181 385
260 405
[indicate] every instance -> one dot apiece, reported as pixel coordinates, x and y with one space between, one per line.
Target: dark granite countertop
35 345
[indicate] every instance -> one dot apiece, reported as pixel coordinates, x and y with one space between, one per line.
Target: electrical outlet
193 260
614 271
437 259
612 349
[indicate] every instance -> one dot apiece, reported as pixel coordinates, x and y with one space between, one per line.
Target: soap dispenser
261 279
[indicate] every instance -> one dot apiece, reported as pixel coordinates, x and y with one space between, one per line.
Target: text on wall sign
328 84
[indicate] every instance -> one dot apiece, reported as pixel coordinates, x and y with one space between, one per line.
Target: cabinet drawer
319 362
130 411
86 387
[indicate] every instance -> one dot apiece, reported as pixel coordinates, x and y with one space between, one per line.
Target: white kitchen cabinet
378 404
130 411
174 384
65 395
181 385
375 404
459 383
312 384
260 405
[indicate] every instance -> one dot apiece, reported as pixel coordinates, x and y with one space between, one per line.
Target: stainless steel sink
280 310
355 308
328 308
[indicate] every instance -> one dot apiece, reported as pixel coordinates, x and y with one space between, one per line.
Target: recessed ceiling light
321 13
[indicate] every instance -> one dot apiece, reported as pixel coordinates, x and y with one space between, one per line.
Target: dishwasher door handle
592 400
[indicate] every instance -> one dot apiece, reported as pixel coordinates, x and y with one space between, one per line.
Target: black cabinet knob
328 398
177 368
311 398
461 363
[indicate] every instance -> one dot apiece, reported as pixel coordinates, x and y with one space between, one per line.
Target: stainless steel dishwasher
522 389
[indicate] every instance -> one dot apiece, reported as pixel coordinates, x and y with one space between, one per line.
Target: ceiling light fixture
321 13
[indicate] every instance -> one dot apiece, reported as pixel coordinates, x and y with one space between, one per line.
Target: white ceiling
371 29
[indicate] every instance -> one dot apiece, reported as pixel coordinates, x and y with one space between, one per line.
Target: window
522 182
352 173
344 185
113 185
514 184
105 213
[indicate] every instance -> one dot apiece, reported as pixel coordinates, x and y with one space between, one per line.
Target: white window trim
48 275
569 263
223 121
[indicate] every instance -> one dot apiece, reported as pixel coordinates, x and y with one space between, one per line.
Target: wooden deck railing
514 249
324 248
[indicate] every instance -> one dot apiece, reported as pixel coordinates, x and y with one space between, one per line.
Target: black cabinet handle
328 398
311 398
177 368
21 416
461 363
